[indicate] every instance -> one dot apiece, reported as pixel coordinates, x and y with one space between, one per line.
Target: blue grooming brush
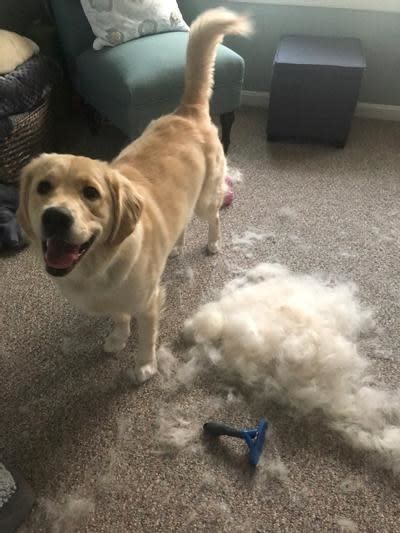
254 438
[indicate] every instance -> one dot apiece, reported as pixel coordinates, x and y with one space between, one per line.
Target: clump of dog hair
188 372
175 431
349 485
189 275
345 525
287 213
106 479
69 516
181 374
212 513
185 275
293 339
233 397
235 174
208 481
167 362
198 360
249 239
274 468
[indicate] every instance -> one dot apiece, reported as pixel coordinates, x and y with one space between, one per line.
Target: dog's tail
206 32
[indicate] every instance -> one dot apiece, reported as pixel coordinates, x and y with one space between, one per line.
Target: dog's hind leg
214 233
117 339
208 209
211 198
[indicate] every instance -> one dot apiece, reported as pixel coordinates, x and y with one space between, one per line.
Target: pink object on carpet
229 194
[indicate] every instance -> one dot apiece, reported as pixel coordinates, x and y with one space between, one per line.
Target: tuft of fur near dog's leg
68 516
175 431
117 339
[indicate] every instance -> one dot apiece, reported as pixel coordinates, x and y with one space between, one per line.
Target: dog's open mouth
61 256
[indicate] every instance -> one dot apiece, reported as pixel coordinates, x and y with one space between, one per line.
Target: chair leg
227 120
93 118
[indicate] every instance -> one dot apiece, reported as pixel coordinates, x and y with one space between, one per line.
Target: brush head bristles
258 444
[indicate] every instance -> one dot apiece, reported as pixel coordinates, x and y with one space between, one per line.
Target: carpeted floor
86 439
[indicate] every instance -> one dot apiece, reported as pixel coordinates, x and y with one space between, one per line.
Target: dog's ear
127 206
25 180
37 165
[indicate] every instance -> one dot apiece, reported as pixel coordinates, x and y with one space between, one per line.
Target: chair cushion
147 71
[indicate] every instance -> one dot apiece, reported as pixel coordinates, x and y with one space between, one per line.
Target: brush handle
215 428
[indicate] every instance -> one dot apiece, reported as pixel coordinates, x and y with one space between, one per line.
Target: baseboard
363 109
378 111
255 99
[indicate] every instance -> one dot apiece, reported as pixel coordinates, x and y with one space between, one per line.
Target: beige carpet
86 439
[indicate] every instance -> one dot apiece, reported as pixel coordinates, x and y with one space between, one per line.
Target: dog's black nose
56 221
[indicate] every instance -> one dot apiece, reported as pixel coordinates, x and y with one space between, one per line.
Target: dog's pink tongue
60 254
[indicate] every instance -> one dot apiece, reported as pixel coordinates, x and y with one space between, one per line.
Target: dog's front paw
114 344
145 372
213 247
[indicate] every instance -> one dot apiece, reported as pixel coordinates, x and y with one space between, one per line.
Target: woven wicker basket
31 135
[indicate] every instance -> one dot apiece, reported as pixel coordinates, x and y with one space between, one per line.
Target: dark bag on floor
11 237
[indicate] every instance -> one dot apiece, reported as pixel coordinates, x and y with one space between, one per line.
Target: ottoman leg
340 143
93 118
227 120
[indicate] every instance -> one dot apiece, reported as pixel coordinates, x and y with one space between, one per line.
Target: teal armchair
140 80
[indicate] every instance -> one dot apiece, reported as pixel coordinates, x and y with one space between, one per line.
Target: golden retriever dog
105 230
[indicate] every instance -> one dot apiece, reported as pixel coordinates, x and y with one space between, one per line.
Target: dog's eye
90 193
44 187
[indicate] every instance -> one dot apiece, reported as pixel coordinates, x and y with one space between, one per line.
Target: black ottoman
314 89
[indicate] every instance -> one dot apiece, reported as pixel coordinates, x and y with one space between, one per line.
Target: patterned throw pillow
117 21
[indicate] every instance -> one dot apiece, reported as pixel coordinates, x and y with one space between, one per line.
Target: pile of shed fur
294 339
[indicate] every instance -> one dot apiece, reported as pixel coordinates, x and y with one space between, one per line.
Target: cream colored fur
293 338
148 194
14 50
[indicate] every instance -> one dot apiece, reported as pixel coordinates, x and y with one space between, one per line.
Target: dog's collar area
61 256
